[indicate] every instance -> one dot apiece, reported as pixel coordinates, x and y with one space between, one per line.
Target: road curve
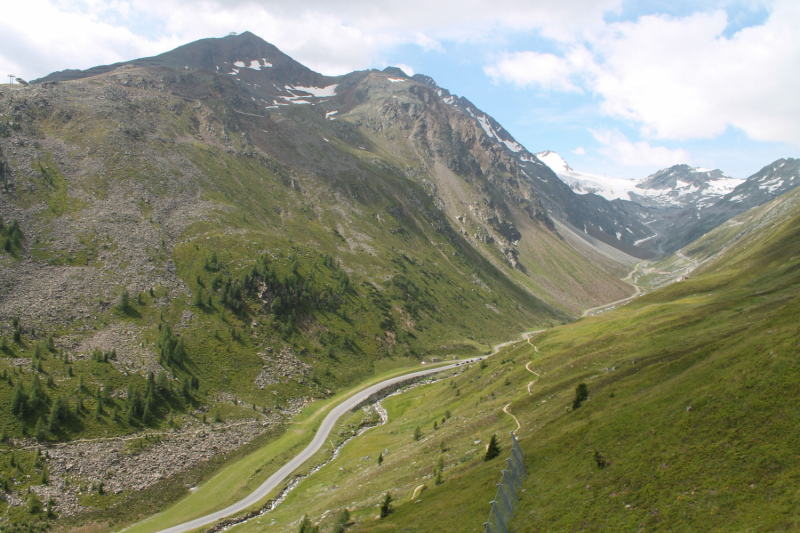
319 440
624 300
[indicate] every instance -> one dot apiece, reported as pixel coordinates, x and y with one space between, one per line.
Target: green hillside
691 414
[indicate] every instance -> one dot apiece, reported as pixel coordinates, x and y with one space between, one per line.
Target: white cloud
580 150
534 69
681 78
620 149
405 68
331 37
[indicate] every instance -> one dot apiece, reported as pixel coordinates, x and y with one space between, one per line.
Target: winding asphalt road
319 440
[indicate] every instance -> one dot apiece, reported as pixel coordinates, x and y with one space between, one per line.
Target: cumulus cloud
405 68
330 37
580 150
680 77
534 69
619 148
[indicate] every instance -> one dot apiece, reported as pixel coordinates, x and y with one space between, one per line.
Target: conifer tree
581 395
44 479
39 431
380 456
307 527
124 301
34 504
493 450
417 433
386 505
19 399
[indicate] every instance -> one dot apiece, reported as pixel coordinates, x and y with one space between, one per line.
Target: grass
236 480
723 342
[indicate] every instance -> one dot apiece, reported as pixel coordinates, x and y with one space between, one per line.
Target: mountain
687 412
680 383
583 183
207 250
680 203
682 187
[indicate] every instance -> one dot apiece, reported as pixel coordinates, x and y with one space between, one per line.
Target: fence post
510 485
505 500
488 529
517 451
499 518
514 472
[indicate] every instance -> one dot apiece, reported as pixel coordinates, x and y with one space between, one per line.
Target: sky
618 88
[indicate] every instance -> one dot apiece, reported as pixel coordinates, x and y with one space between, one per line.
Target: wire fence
508 491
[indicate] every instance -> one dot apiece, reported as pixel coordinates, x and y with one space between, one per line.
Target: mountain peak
682 175
554 161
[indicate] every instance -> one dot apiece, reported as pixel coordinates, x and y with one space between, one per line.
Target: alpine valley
206 251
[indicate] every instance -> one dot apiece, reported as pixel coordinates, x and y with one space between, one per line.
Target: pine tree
39 431
493 450
36 396
307 527
380 456
417 433
19 399
58 412
34 504
386 505
51 505
342 519
581 395
124 301
106 394
44 479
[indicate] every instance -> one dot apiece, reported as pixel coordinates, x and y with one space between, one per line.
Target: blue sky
620 88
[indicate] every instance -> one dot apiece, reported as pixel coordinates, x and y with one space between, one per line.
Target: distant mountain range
639 218
681 203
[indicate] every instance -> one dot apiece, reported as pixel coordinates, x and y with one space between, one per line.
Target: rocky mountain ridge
681 203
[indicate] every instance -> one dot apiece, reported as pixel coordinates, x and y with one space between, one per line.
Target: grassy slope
409 291
724 342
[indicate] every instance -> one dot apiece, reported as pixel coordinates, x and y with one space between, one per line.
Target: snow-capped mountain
681 203
585 183
682 186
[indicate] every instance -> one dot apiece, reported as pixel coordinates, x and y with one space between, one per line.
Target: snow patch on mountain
319 92
585 183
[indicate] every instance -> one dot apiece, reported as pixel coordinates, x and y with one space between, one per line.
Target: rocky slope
186 240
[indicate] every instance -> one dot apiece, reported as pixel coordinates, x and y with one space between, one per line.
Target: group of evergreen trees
285 294
172 351
13 236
